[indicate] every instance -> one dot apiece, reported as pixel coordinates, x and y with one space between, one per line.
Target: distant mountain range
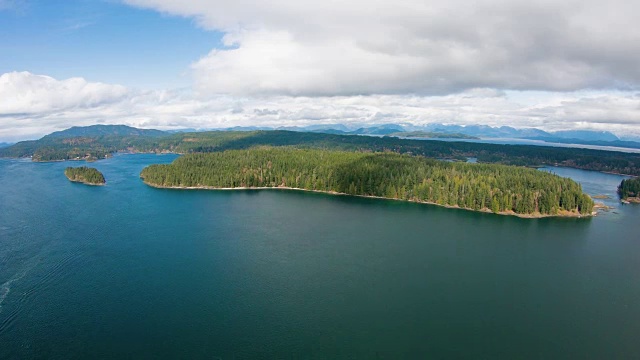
481 131
485 131
434 130
583 137
4 144
100 142
586 135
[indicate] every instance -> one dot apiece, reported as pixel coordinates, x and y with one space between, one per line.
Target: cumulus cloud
34 105
327 48
23 92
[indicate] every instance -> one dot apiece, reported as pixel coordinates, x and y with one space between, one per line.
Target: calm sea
128 271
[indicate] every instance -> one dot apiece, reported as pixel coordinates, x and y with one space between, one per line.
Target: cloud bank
23 92
328 48
524 63
34 105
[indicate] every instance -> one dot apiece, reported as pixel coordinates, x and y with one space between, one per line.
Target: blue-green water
127 271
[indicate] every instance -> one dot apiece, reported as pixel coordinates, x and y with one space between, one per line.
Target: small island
629 190
507 190
85 175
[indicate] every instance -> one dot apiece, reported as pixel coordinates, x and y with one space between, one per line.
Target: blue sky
104 41
215 63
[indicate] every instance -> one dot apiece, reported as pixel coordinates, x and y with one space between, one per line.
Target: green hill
104 130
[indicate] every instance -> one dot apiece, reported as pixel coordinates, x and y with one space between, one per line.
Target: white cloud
34 105
23 92
317 48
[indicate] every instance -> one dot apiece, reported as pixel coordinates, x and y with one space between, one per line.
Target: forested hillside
498 188
98 147
104 130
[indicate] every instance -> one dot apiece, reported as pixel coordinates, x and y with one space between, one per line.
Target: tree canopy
629 188
85 175
99 147
487 187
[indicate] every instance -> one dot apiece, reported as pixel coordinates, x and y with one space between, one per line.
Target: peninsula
493 188
85 175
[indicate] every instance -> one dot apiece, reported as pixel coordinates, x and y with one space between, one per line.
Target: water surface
128 271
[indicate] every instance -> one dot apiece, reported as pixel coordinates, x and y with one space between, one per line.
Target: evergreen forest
629 188
483 187
90 147
85 175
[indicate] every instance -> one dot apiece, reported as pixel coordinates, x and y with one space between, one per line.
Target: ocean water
128 271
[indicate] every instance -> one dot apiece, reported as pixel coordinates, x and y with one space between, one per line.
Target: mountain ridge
104 130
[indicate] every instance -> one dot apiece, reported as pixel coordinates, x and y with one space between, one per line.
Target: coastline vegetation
85 175
481 187
629 190
55 148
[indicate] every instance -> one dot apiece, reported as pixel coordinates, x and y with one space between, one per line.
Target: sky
171 64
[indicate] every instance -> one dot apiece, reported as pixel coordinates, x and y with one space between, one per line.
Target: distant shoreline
564 214
439 159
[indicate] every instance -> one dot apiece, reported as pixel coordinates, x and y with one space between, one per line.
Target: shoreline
86 182
631 200
182 154
486 211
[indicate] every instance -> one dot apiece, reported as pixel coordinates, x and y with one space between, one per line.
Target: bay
128 271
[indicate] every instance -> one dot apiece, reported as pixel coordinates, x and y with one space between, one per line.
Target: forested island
85 175
481 187
629 190
99 142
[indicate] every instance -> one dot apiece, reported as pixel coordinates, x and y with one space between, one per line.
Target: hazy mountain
379 130
476 131
344 130
485 131
432 135
101 130
247 128
4 144
330 131
586 135
185 130
339 127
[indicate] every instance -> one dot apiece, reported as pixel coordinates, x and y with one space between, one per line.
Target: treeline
69 153
85 175
629 188
497 188
84 147
56 148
